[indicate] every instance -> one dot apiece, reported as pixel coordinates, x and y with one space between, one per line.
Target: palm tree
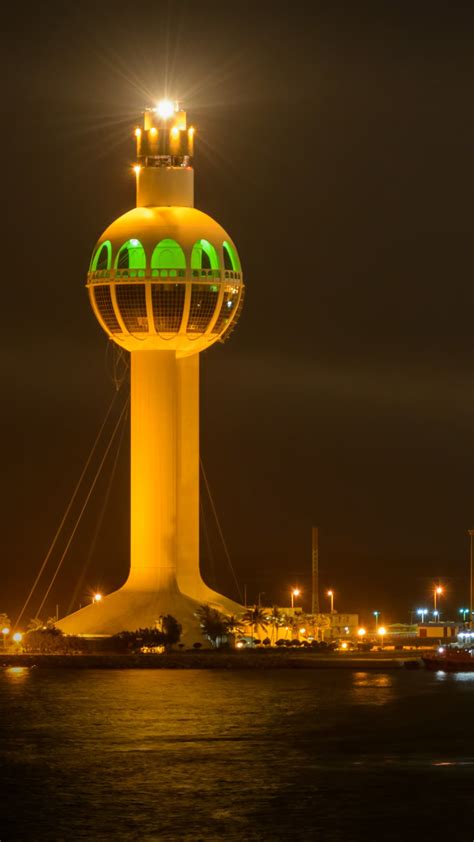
291 624
277 619
35 624
233 624
213 624
255 617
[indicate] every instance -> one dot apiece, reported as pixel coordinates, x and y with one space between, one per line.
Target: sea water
246 755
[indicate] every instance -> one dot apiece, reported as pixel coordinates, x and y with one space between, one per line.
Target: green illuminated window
168 255
204 256
231 258
131 256
102 258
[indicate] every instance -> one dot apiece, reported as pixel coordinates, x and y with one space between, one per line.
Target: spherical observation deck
166 278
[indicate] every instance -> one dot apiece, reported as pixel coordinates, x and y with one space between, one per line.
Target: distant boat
450 660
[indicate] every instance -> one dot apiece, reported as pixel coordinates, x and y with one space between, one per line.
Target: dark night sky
335 147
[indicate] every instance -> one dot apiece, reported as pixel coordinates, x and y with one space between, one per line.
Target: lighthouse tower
165 283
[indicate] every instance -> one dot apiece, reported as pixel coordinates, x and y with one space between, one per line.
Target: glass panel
131 301
229 303
131 256
231 258
168 305
204 298
204 256
103 302
102 258
168 254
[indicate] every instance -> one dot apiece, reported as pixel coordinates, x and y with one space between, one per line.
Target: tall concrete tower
165 283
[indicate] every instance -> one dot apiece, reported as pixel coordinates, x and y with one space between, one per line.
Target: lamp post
331 597
376 615
97 598
471 536
436 593
381 631
421 613
294 592
436 615
464 611
5 632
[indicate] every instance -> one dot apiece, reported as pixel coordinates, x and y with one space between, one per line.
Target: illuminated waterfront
330 755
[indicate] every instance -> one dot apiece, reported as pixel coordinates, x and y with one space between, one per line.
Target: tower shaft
153 442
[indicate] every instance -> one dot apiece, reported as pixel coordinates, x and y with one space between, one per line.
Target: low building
440 631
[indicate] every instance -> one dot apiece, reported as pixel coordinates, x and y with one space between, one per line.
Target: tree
213 624
134 641
171 630
35 624
44 641
255 618
233 626
277 620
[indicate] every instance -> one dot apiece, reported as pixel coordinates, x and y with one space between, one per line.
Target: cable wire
68 509
100 518
220 531
94 481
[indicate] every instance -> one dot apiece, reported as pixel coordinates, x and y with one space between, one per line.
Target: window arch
102 258
204 256
168 259
231 258
131 256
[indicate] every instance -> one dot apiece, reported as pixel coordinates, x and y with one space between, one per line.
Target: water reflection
372 688
17 673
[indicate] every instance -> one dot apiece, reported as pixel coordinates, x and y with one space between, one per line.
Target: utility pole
315 571
471 536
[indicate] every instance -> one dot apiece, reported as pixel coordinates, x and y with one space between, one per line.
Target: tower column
189 578
153 470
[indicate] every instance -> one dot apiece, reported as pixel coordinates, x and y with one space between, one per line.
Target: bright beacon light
165 108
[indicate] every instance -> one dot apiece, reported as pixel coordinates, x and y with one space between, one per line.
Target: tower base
128 610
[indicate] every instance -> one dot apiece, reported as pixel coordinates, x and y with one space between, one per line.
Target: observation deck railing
102 276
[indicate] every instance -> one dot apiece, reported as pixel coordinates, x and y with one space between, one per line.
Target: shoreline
215 660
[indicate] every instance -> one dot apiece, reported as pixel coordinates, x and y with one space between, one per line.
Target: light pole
471 536
436 615
376 615
331 597
421 613
464 611
5 632
259 601
436 593
294 592
381 631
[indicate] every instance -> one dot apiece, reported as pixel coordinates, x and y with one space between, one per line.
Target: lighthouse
165 283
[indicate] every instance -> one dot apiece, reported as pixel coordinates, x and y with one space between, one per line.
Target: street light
376 615
436 593
294 592
17 637
5 632
464 611
436 615
361 632
331 597
97 597
381 631
421 613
